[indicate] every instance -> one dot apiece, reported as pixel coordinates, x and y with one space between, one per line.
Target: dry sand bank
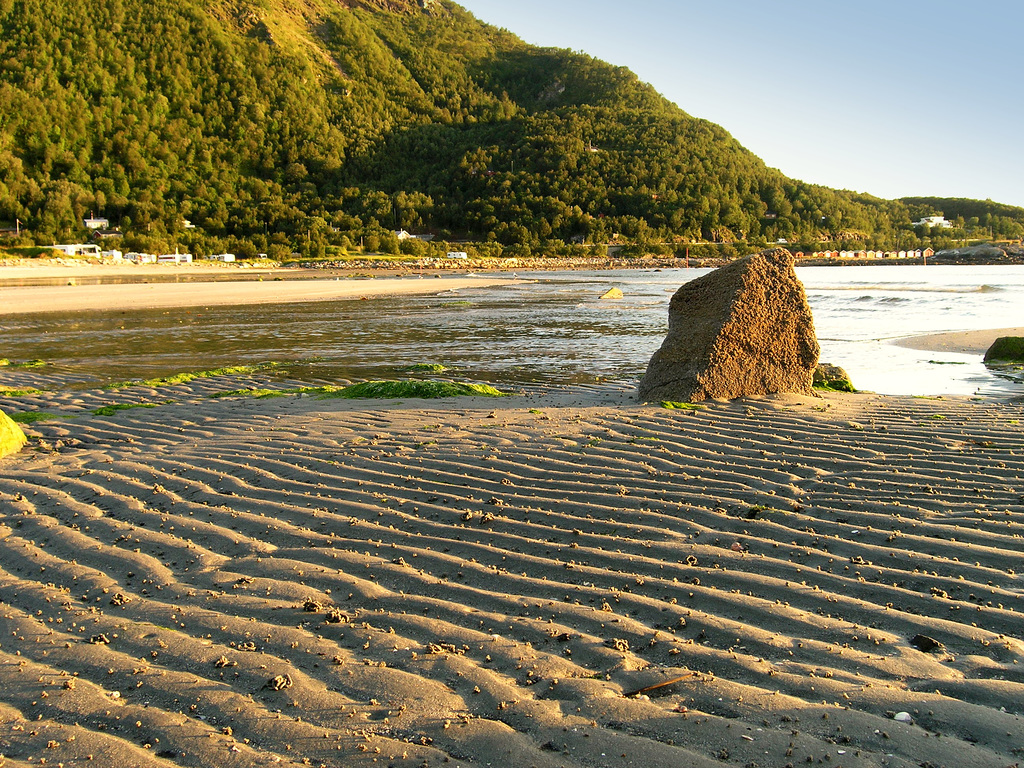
293 581
75 268
962 342
74 298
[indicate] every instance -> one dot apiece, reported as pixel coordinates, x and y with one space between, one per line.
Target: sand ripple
294 581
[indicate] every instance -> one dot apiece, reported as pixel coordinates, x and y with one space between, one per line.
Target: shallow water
549 327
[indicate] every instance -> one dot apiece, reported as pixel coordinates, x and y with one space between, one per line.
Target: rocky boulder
1006 349
832 377
11 436
744 329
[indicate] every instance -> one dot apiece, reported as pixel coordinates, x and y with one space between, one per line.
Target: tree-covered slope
1001 221
276 125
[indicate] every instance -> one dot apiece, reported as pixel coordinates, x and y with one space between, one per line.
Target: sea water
544 327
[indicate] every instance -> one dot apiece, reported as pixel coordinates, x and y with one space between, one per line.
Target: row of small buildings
925 253
91 250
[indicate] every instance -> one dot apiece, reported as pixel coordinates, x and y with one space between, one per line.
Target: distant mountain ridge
276 126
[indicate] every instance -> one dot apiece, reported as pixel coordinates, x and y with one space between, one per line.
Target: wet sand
473 582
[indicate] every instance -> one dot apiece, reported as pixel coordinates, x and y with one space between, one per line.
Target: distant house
103 234
96 223
186 224
458 255
78 249
928 252
934 221
223 257
140 258
401 234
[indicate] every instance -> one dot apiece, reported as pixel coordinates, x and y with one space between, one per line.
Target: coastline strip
960 342
70 298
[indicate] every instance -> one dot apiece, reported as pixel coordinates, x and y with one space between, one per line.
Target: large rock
744 329
11 436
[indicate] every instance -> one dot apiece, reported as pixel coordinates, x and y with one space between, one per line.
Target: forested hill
274 126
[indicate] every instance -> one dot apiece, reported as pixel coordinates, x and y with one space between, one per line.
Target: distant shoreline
37 272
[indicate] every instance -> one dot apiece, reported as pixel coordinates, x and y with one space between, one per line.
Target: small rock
279 682
926 644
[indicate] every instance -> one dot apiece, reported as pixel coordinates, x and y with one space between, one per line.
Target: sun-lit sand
249 288
962 342
473 582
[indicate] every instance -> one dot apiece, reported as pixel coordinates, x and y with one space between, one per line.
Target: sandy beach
961 342
247 289
469 582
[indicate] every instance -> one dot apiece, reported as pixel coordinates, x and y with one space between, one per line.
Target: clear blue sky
894 98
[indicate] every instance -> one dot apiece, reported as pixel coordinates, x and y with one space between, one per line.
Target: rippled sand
294 581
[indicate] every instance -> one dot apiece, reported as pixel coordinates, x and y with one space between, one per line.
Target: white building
223 257
96 223
78 249
174 258
934 221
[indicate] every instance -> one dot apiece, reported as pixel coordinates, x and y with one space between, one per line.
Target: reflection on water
552 328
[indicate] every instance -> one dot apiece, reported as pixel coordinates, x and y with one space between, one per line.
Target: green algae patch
31 417
12 439
110 410
427 390
264 394
23 364
674 406
425 368
185 378
831 378
8 392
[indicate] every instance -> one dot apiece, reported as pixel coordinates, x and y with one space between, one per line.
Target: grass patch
429 390
31 417
110 410
27 251
185 378
674 406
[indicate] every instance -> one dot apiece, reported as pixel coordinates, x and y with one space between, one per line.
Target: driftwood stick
656 686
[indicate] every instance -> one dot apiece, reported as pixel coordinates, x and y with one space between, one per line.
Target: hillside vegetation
279 126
